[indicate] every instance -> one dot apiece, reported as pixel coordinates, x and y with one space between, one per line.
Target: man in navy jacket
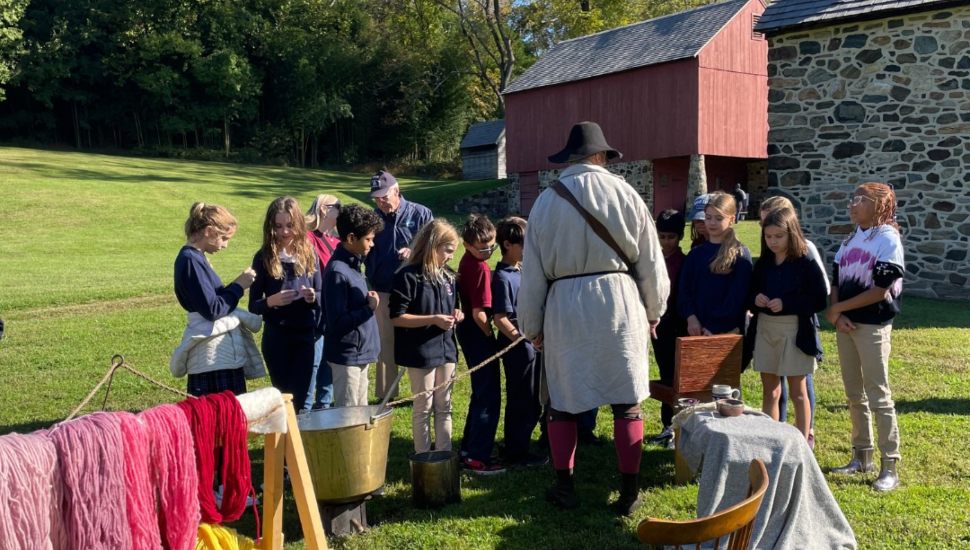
402 221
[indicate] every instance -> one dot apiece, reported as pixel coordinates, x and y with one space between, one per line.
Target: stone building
875 91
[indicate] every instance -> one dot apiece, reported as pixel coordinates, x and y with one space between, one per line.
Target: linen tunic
595 328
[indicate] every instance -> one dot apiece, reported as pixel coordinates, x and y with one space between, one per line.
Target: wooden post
288 448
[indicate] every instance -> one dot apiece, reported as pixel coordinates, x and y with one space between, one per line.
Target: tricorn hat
585 139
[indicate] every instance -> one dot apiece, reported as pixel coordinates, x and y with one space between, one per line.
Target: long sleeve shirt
400 227
199 289
718 300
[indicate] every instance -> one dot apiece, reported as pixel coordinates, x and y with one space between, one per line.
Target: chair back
732 525
702 361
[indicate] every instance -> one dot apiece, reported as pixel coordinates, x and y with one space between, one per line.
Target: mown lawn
88 243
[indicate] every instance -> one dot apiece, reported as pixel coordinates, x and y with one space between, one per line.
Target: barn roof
668 38
785 14
484 133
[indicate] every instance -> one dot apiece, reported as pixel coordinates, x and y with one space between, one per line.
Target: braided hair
885 200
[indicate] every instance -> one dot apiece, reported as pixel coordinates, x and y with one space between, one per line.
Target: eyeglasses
857 200
331 206
488 251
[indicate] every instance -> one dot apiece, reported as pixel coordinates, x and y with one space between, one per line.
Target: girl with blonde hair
714 279
288 295
217 364
424 314
321 223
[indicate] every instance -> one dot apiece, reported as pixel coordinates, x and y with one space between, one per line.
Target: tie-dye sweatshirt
871 257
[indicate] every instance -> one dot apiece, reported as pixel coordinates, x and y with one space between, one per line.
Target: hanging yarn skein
219 417
174 475
91 464
30 493
217 537
140 496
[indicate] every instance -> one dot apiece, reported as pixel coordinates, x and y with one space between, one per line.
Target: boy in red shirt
477 341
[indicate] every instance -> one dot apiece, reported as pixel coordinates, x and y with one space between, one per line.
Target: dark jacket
351 335
400 227
801 286
429 346
199 289
297 314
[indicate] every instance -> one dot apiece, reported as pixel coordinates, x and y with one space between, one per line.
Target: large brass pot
346 448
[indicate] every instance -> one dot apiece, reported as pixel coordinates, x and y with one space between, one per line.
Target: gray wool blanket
798 510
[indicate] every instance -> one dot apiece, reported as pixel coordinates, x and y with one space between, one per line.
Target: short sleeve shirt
505 290
474 284
871 257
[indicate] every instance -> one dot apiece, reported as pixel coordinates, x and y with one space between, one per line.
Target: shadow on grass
28 427
936 405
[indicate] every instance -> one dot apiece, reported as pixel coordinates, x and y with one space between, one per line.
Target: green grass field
88 243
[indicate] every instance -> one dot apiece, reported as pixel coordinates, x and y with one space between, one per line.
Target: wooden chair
699 363
735 522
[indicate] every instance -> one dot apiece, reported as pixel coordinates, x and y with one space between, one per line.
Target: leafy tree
10 34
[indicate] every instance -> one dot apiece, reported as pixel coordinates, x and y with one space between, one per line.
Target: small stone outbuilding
875 90
483 151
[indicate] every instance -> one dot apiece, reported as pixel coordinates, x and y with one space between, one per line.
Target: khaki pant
386 367
439 402
349 385
864 357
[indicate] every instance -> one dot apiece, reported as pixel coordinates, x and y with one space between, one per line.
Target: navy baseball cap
381 183
697 210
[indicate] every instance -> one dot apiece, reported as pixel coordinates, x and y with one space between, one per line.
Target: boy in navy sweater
351 334
522 406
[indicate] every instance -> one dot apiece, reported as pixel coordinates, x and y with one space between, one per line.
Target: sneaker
528 460
478 467
663 438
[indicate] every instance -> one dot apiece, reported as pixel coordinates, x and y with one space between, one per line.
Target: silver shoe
888 477
861 462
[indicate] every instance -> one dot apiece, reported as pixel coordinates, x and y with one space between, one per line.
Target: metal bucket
435 479
346 449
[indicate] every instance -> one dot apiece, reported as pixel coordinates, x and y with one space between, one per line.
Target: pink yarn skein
140 496
90 454
30 493
172 469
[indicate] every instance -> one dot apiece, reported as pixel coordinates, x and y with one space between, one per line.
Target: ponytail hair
885 200
731 247
203 215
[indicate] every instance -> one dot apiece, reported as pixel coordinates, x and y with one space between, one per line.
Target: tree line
301 82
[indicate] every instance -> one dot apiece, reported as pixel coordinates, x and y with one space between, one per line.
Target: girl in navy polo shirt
201 293
424 313
287 293
868 281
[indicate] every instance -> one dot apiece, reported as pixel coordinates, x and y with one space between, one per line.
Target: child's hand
373 300
444 322
775 305
308 293
459 316
843 324
833 315
537 342
283 298
653 328
694 327
246 278
404 253
761 300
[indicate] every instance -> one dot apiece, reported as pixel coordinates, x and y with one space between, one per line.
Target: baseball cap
381 183
697 210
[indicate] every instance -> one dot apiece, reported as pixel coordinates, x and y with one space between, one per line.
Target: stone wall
883 100
638 173
496 203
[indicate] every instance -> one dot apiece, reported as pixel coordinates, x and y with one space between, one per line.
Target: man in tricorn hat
591 308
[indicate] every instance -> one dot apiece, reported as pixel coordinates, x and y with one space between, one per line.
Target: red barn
681 94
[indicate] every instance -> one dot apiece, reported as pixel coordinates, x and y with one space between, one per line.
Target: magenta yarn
30 493
171 463
91 464
140 495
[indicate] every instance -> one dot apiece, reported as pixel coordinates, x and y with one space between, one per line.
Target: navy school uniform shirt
718 300
506 281
400 227
351 334
800 285
199 289
429 346
298 314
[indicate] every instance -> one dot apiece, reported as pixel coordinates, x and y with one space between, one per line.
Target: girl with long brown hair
288 295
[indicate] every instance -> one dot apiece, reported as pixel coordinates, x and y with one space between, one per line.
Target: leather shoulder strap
594 224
